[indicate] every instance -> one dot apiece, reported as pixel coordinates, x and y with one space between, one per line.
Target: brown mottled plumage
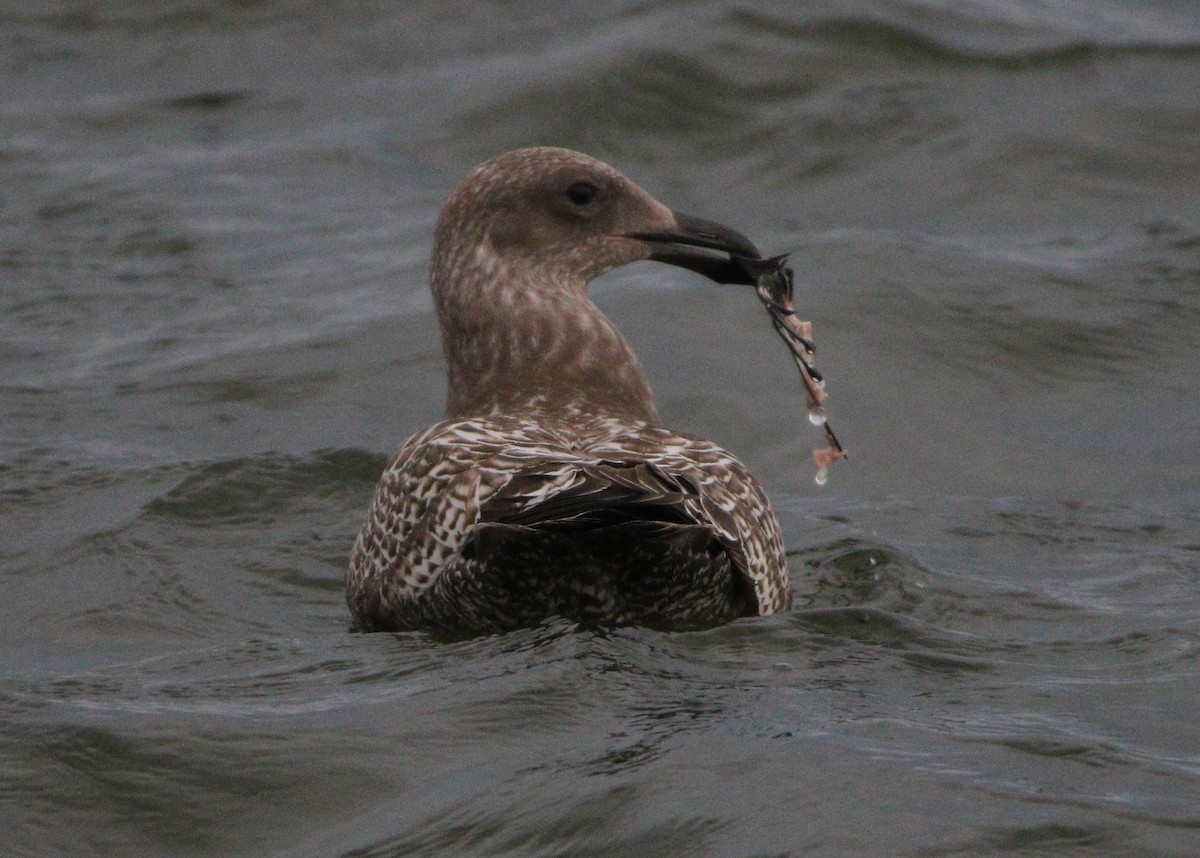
550 488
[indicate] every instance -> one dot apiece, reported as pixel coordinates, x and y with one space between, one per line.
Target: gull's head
551 215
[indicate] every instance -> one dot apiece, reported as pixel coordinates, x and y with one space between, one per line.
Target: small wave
261 488
1000 35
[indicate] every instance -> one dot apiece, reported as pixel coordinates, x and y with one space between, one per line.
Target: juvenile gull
551 488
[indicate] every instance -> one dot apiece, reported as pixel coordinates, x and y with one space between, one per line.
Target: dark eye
581 193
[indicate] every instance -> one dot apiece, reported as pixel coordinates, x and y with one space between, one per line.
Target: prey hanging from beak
689 244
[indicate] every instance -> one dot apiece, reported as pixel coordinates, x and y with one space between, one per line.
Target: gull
551 488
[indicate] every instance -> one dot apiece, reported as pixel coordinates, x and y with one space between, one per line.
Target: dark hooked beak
685 244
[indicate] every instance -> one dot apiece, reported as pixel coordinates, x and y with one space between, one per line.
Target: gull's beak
684 244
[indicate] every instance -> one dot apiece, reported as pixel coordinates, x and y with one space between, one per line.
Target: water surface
214 325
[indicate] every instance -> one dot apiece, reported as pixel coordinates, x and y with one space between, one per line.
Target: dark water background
214 326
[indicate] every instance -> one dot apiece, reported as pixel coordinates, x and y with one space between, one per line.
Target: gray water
214 328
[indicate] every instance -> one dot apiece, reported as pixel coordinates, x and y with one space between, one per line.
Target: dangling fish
773 283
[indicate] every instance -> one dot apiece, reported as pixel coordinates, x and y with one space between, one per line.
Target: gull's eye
581 193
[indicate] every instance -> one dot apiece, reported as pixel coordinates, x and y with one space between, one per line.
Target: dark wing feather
582 494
